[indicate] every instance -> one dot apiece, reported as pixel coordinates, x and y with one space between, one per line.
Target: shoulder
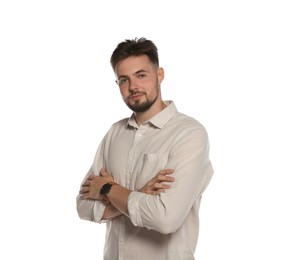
184 121
120 123
118 126
186 128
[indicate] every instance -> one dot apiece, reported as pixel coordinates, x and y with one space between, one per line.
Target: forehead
133 64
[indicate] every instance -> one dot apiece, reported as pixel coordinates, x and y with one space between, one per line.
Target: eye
141 76
122 81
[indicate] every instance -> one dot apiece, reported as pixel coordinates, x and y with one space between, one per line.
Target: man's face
139 82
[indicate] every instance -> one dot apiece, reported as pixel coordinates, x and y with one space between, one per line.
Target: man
150 170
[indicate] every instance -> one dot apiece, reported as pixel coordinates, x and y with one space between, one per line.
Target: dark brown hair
135 47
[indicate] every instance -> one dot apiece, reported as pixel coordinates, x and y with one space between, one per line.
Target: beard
139 107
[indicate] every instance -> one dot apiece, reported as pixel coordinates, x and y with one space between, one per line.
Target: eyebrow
135 73
139 71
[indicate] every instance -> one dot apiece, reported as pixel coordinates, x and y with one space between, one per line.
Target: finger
86 183
153 192
84 190
161 186
84 196
166 171
169 179
104 173
156 192
157 185
90 177
165 187
162 178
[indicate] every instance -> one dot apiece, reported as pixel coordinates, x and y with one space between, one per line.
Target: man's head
136 67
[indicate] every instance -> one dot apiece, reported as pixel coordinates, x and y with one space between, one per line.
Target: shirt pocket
152 163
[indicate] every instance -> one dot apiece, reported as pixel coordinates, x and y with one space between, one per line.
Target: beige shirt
163 227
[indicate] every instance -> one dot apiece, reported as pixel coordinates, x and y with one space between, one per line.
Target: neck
142 117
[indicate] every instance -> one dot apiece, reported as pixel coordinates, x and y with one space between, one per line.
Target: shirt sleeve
166 212
92 210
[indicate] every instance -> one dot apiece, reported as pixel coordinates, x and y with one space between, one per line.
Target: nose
132 84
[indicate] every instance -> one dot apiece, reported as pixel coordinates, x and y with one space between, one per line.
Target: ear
160 75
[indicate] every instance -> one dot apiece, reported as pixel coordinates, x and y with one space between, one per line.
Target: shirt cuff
133 207
98 211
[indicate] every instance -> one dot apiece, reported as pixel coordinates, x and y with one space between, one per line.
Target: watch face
105 189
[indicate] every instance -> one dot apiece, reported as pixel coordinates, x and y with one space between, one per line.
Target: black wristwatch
106 188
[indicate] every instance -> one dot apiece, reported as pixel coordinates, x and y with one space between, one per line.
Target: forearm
118 197
111 212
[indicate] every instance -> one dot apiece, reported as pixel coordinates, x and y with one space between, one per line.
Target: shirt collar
160 119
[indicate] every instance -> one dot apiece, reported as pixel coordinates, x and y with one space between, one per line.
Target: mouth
136 96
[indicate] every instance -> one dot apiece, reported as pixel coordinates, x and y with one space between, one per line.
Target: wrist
105 189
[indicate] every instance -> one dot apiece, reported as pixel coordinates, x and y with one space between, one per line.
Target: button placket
131 156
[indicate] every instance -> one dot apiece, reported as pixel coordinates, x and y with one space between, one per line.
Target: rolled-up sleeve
166 212
92 210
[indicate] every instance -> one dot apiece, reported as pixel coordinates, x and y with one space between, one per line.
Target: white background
229 64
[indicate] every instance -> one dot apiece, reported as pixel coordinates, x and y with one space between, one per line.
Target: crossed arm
118 196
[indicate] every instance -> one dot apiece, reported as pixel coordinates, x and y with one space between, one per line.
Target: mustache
135 92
